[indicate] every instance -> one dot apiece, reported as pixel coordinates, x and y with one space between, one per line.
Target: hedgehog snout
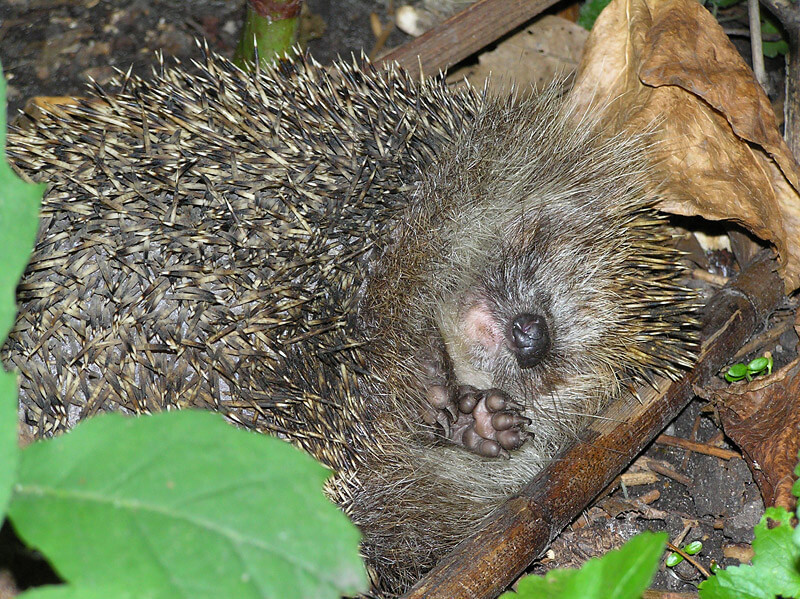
529 339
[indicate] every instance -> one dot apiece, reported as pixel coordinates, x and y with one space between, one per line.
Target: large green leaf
19 209
184 505
9 451
621 574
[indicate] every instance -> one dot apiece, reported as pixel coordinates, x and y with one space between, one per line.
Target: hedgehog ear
529 339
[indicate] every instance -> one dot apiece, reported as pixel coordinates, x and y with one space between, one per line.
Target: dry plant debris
546 50
721 154
763 418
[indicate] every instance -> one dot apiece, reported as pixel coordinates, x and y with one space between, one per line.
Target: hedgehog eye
529 339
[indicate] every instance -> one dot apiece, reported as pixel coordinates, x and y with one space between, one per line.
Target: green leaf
772 49
19 211
693 548
775 565
673 559
71 592
736 372
183 505
621 574
758 365
9 451
769 27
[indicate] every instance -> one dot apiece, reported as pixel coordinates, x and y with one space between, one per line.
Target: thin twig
755 42
665 470
762 340
696 447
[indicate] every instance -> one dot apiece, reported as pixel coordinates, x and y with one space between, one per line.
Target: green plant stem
270 27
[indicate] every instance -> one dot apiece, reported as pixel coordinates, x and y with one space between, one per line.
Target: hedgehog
431 290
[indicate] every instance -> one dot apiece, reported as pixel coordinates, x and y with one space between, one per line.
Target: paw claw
496 400
511 439
443 421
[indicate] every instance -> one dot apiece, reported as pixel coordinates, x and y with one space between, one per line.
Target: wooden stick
464 34
704 448
483 565
664 470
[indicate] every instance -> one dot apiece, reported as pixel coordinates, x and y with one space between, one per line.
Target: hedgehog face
526 320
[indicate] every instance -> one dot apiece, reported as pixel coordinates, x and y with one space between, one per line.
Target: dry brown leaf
763 418
720 153
548 49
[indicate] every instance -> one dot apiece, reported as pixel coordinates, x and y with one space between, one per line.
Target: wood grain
464 34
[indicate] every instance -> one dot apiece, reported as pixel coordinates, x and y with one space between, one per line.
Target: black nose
529 339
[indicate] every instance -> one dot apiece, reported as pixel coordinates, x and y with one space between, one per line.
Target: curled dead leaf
547 50
763 418
719 152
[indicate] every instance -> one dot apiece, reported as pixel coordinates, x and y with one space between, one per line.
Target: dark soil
53 47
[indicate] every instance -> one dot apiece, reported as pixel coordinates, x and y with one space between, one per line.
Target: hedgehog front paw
486 422
489 423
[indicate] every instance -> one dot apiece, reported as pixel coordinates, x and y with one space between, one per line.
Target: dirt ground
53 47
